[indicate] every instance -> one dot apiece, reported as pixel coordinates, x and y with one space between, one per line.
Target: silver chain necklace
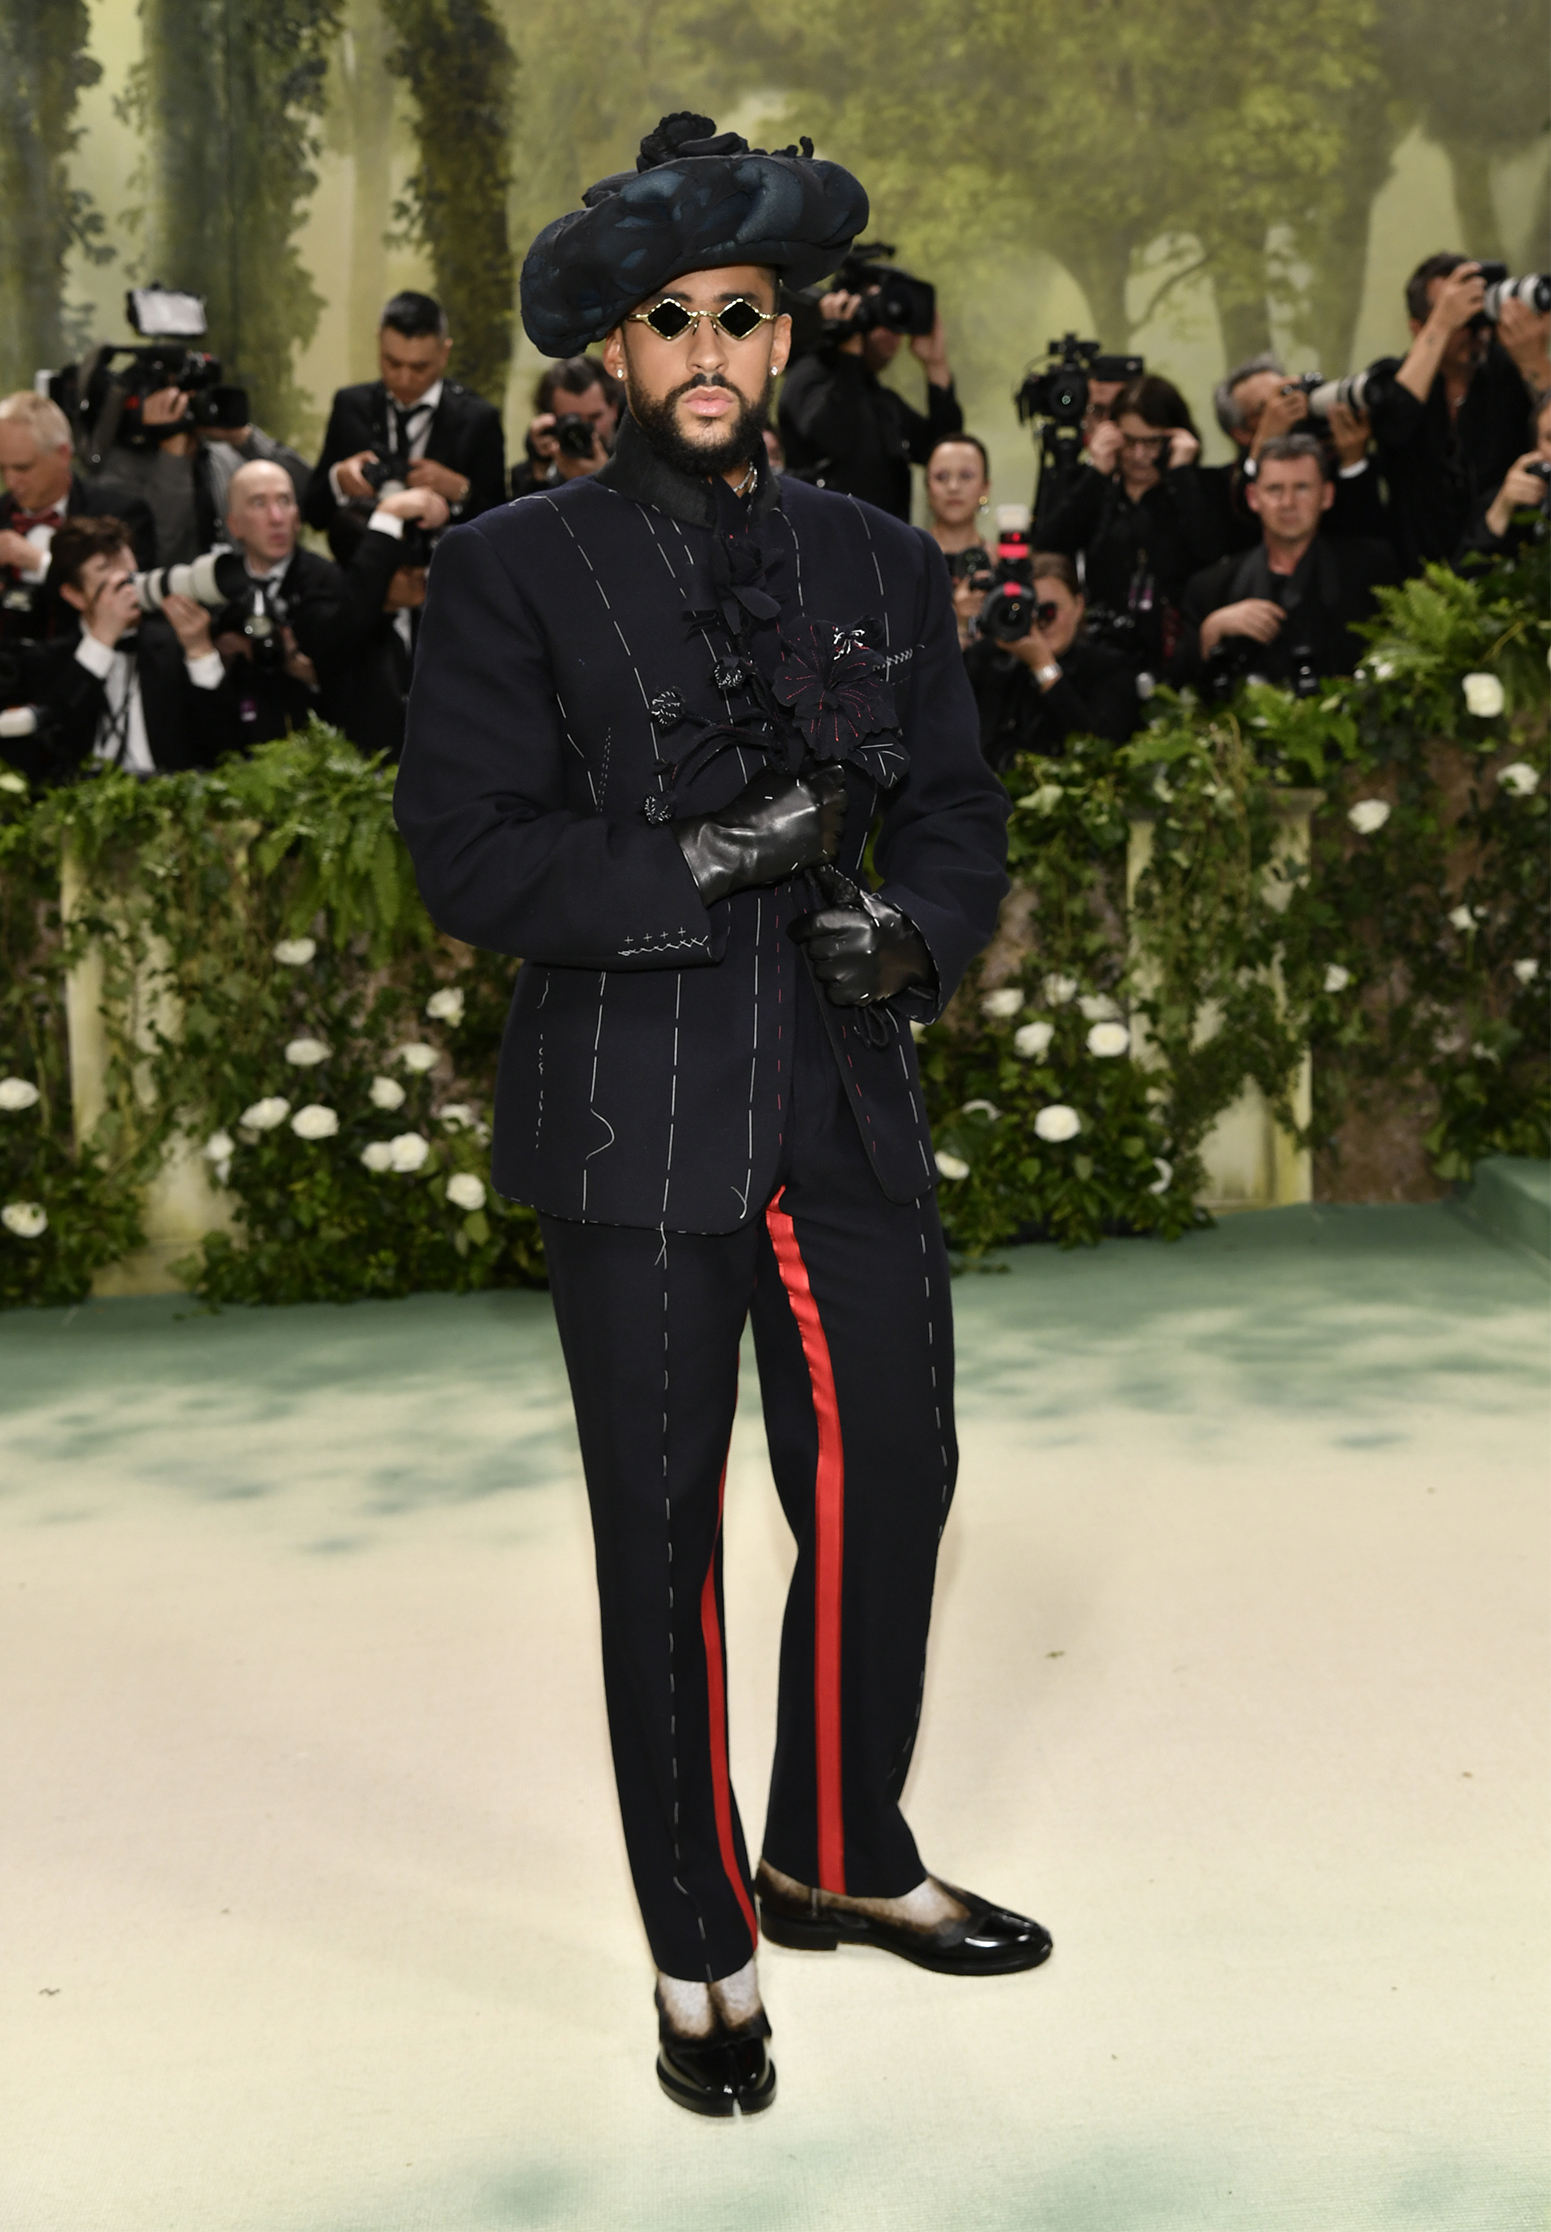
748 479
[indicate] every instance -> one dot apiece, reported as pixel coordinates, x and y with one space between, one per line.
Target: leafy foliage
43 69
455 57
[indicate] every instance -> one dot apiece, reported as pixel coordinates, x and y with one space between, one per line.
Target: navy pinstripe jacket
568 653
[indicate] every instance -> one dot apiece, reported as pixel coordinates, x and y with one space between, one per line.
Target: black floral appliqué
837 688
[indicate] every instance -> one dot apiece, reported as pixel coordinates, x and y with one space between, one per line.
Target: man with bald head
290 638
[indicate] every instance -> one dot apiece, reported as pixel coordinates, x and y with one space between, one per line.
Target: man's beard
657 418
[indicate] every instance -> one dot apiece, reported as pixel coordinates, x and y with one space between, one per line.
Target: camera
214 581
973 566
1359 391
1056 395
1011 605
573 435
103 397
1540 467
1534 292
902 304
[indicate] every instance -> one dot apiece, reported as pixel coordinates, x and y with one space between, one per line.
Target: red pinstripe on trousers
828 1545
716 1698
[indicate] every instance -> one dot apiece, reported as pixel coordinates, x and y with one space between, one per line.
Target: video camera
902 303
104 399
1056 396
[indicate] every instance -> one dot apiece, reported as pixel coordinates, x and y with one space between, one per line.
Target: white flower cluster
1369 815
295 953
1336 978
306 1053
17 1093
952 1166
27 1219
418 1057
446 1006
406 1153
465 1191
1002 1003
1057 1123
1519 778
315 1122
1031 1040
1483 695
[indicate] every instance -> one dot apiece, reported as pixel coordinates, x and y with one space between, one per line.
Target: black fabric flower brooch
837 690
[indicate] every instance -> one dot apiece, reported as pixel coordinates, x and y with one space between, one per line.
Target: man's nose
708 350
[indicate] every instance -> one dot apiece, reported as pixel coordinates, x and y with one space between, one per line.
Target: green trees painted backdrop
43 68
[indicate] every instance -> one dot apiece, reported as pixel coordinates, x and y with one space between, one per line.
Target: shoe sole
823 1937
700 2104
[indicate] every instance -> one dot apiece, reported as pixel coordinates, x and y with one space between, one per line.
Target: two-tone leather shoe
986 1940
728 2073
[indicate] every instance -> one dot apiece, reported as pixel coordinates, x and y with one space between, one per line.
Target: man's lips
708 403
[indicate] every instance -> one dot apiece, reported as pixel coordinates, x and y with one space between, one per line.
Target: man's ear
1252 495
1329 496
72 595
782 348
614 353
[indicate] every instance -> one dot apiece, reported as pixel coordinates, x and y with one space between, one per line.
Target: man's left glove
860 948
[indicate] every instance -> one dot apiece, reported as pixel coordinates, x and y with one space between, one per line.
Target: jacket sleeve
503 859
941 848
1073 518
925 429
823 405
344 437
485 461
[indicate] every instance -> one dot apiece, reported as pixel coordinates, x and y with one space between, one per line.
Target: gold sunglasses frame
644 317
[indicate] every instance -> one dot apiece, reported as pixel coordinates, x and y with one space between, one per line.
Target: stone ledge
1510 1197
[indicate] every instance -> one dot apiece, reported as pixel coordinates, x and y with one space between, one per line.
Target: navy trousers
853 1334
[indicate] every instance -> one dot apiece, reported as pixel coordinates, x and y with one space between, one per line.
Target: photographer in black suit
1283 612
576 408
42 491
413 427
291 638
1053 681
133 689
368 695
708 1086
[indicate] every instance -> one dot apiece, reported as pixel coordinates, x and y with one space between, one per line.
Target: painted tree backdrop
1207 160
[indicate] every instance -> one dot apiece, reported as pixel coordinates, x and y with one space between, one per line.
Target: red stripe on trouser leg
828 1546
716 1703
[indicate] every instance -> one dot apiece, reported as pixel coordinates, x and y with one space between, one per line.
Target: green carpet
313 1914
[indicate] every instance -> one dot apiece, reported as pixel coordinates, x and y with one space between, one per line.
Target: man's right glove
775 826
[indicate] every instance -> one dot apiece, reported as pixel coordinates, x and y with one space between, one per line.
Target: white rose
952 1166
1043 801
408 1151
1165 1170
1462 918
10 781
458 1116
1368 815
27 1219
315 1122
1003 1003
418 1056
295 953
1057 1122
377 1155
17 1092
1057 990
1483 695
1520 778
385 1092
1336 978
1098 1007
1032 1039
982 1108
1108 1038
265 1114
1383 669
465 1191
219 1147
446 1006
1526 971
306 1053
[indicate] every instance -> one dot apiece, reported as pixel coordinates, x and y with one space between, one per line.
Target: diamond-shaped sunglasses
670 320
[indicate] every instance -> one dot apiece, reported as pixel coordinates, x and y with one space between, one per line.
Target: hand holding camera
441 480
1527 482
352 478
190 624
423 504
114 608
1255 617
573 444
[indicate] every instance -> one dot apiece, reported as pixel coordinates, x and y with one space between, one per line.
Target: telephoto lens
573 435
1533 291
212 580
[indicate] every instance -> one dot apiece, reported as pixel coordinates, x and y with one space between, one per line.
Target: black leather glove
860 948
775 826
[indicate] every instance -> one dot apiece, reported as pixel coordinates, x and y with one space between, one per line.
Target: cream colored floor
313 1912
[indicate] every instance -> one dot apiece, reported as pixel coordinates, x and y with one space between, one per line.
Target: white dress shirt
417 426
121 733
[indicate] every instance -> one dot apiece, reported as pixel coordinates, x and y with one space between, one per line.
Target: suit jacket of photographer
1442 467
1095 696
841 428
465 435
331 610
1163 538
34 612
646 1063
1333 588
185 726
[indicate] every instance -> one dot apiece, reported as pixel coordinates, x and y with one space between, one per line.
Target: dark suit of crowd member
1137 555
332 612
1095 695
368 694
186 718
1330 590
841 428
32 613
702 1131
449 424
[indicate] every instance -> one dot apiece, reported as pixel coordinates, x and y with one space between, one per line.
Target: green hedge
248 917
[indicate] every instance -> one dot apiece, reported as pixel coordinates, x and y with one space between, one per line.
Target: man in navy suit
411 428
655 715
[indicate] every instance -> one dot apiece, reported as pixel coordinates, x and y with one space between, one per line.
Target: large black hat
696 198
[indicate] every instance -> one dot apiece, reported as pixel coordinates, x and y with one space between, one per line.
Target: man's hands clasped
861 949
777 825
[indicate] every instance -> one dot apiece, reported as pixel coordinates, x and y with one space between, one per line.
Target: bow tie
20 521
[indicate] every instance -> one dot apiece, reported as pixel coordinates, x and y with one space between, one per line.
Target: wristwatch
1047 674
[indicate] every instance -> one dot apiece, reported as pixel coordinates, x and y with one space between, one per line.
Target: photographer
1256 404
1140 518
958 498
181 478
1517 513
1451 423
412 427
367 695
841 428
1284 611
137 690
577 405
42 491
1054 681
289 641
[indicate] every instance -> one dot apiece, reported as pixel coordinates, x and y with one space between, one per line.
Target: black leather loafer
989 1941
728 2074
